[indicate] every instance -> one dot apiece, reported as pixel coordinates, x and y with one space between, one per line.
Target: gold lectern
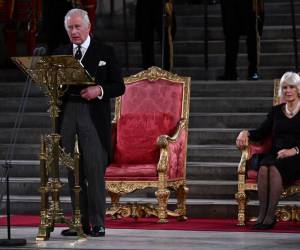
55 74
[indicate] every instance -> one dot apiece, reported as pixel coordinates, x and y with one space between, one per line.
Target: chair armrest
173 151
243 162
252 149
164 140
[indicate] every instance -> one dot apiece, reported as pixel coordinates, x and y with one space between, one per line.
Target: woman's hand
242 140
283 153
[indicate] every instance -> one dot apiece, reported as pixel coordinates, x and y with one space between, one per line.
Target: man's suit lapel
90 60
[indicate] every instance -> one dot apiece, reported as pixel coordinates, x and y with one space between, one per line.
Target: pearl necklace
294 111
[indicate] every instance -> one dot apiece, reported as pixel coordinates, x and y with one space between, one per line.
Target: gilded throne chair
247 177
150 131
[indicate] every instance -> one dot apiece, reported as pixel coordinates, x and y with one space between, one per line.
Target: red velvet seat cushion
252 174
131 171
137 134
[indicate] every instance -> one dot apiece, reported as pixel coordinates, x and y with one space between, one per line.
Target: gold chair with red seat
150 131
247 177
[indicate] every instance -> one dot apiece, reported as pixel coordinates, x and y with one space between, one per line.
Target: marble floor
159 240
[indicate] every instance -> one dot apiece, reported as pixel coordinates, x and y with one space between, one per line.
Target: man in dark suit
149 16
241 17
86 112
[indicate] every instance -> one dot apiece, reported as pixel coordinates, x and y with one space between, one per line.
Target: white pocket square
102 63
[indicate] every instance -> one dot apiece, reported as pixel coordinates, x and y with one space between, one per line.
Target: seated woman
281 165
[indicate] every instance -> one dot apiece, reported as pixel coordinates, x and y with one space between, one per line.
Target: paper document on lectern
61 69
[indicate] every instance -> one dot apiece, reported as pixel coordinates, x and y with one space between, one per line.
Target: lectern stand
55 74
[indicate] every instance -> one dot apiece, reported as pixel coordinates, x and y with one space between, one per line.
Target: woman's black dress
285 133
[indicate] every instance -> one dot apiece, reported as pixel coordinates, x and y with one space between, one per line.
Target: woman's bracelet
297 150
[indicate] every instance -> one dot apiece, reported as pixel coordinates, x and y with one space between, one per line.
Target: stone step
196 47
197 119
216 60
30 120
230 104
205 153
213 20
226 120
213 153
197 104
212 170
197 33
13 89
11 75
210 208
271 8
219 189
196 135
195 170
34 104
200 73
232 88
260 88
25 135
205 208
200 136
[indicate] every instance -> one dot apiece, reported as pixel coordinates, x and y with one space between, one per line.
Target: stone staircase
276 48
219 109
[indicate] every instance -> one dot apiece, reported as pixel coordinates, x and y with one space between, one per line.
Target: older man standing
86 112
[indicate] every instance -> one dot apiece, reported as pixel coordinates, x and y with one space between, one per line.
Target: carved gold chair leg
181 194
162 196
242 200
115 204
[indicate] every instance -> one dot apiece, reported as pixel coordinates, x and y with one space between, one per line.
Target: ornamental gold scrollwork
288 213
153 74
125 188
293 189
133 210
66 159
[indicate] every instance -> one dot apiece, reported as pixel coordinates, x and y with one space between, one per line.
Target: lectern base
12 242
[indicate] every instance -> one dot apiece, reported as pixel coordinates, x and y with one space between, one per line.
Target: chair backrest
276 98
153 104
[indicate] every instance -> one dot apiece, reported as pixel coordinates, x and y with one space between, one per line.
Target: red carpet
193 224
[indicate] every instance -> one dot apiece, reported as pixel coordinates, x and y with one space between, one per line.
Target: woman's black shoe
257 226
268 226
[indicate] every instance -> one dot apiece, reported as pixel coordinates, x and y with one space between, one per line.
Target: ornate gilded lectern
54 74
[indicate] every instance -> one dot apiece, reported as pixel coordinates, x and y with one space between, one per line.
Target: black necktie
78 53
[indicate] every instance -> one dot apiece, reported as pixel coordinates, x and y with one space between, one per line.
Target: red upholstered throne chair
247 177
150 131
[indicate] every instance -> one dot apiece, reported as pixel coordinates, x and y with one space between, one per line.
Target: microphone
39 51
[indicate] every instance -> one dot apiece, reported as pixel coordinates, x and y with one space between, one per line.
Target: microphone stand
7 165
10 152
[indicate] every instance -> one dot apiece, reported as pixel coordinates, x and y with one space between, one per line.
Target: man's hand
283 153
90 92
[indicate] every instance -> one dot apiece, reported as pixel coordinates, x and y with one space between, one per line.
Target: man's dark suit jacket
110 78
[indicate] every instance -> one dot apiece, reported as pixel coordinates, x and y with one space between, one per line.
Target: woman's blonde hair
289 78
